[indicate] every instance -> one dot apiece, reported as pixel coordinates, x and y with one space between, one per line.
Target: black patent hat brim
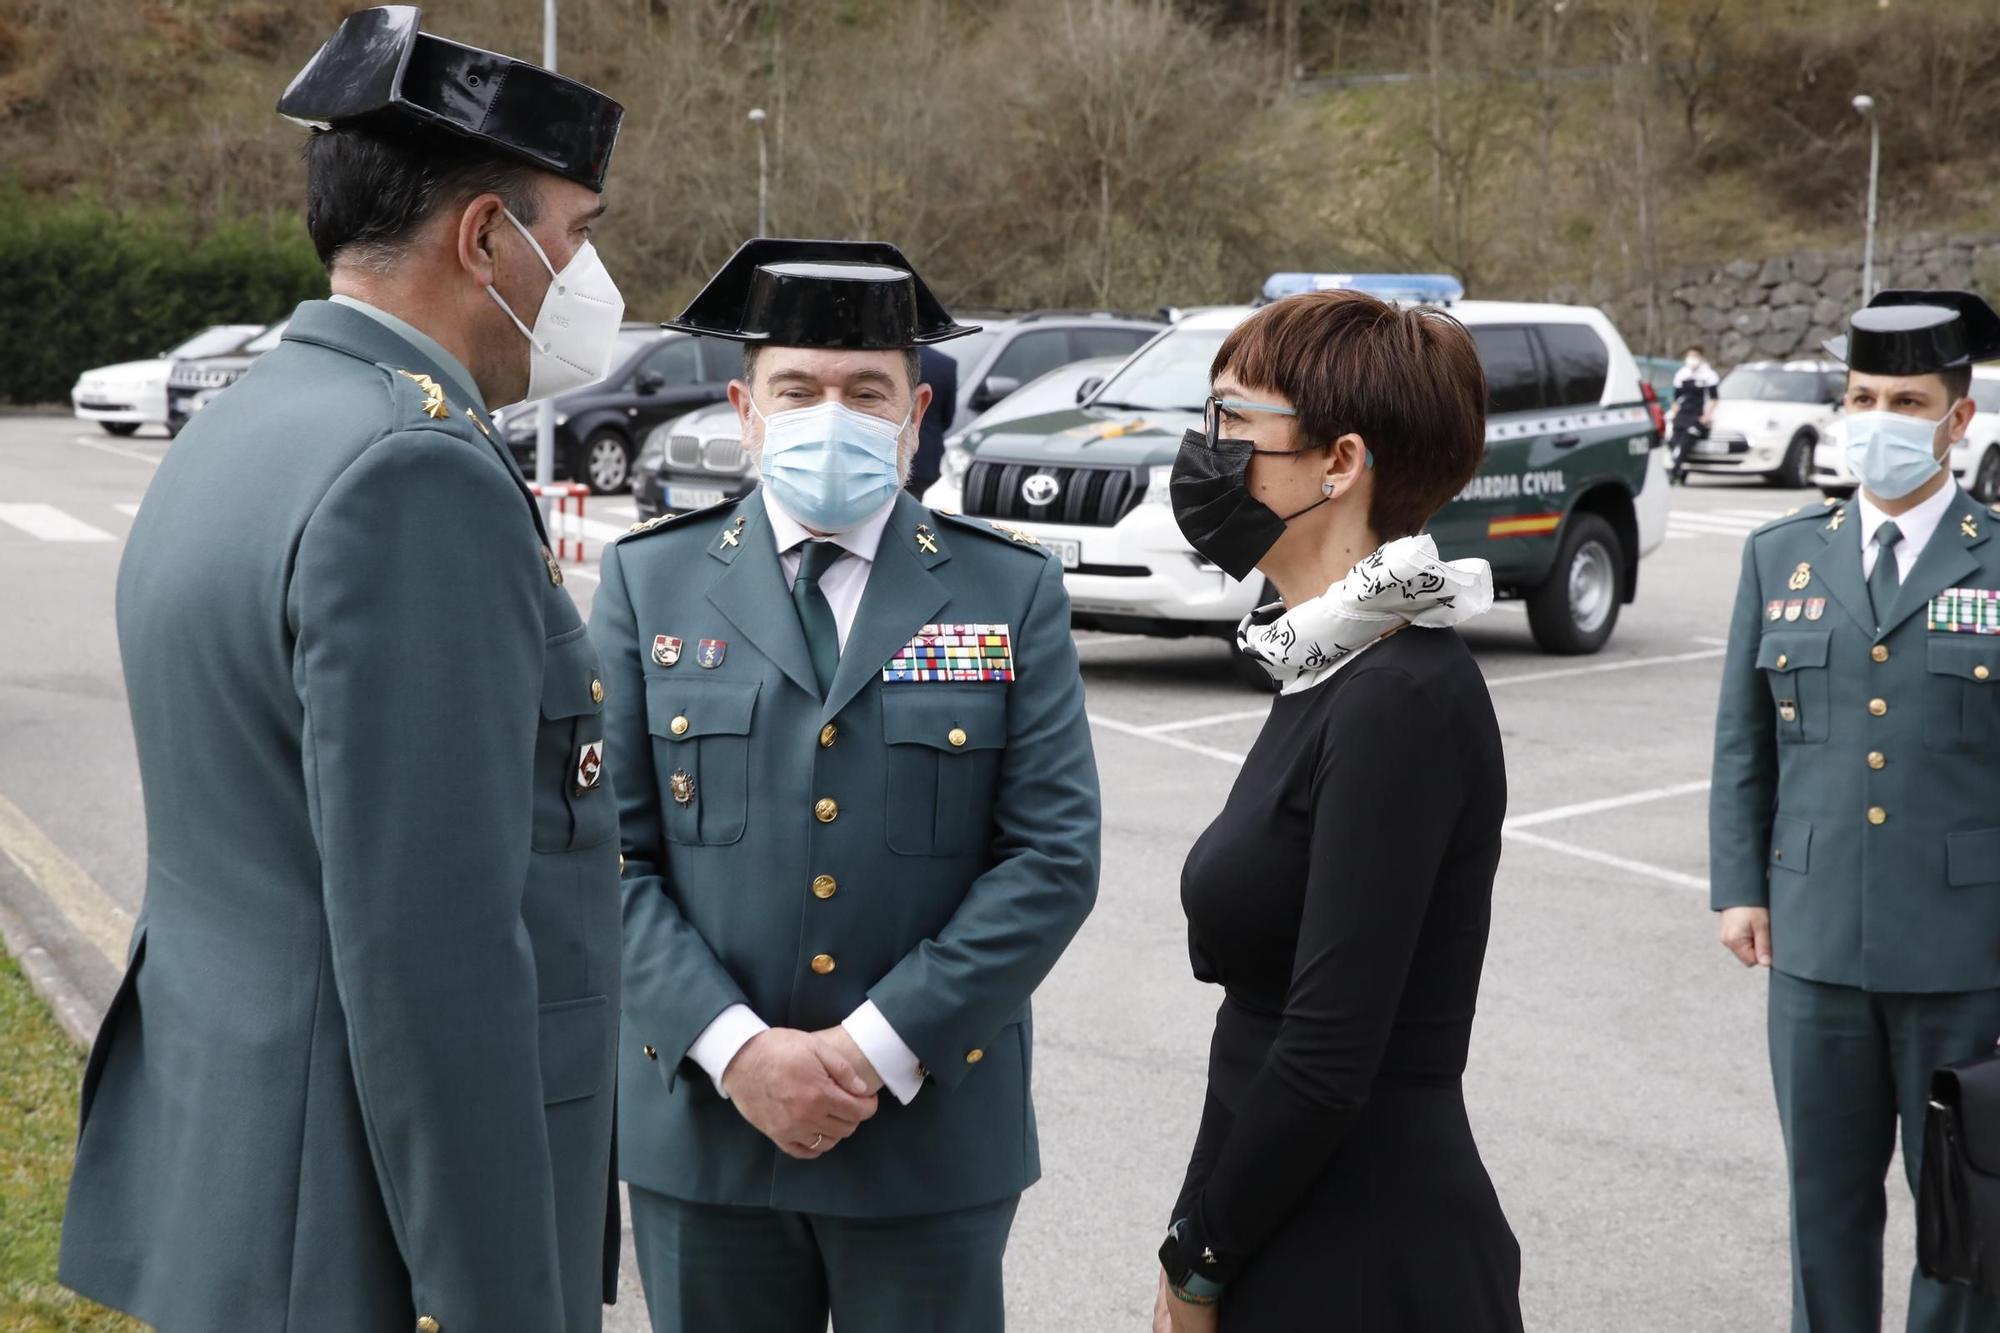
1914 332
842 295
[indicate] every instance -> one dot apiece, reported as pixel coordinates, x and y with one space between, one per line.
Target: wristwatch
1185 1283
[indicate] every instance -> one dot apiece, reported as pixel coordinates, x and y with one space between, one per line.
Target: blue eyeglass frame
1211 420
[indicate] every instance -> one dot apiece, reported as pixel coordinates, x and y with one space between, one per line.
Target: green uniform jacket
1857 774
360 1067
931 846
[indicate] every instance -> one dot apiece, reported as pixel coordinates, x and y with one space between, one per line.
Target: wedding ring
817 1140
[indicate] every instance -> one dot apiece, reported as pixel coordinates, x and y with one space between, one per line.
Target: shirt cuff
722 1039
894 1061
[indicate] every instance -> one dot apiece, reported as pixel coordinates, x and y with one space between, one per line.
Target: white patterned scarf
1402 583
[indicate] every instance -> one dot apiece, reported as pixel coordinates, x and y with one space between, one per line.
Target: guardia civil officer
860 817
1854 831
358 1075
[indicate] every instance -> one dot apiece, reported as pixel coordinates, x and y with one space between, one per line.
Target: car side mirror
651 382
992 390
1089 387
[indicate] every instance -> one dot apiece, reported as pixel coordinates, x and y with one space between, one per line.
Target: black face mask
1210 491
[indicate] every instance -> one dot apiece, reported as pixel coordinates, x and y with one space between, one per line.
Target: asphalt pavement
1618 1083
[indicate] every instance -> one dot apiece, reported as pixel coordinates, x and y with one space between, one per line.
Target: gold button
826 810
974 1056
825 886
1880 652
828 734
428 1325
1877 815
1878 707
597 691
652 1054
679 726
1777 855
1876 759
823 963
957 738
1783 661
1980 672
621 864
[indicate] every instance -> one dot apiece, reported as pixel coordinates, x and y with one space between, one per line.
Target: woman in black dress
1342 897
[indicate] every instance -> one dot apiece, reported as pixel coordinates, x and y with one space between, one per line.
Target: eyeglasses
1213 407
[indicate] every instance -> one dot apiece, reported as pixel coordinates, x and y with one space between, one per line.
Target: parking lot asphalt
1618 1083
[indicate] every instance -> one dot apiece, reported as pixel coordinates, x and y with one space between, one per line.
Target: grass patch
40 1072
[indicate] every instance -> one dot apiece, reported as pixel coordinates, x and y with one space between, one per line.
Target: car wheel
1576 608
607 463
1248 670
1986 477
1795 473
119 427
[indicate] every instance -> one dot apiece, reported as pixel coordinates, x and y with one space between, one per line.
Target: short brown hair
1408 382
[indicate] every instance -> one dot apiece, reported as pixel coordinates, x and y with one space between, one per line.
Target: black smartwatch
1185 1283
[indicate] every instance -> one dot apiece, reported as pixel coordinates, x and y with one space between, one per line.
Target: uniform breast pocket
1961 692
944 747
1794 662
573 804
701 756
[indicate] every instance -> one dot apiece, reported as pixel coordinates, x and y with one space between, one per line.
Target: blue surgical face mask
1892 454
830 467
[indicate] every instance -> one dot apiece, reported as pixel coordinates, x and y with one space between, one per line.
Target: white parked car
1063 387
132 394
1975 460
1769 418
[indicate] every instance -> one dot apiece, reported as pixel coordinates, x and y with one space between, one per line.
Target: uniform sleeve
1744 791
1373 864
418 658
674 984
950 995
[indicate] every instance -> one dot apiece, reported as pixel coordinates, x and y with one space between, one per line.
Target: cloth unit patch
954 653
1966 611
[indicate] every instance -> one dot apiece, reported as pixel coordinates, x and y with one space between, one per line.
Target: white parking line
130 511
1147 734
151 460
1629 664
51 524
1599 806
1100 640
1624 863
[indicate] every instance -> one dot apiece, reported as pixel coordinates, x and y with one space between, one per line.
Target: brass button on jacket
426 1324
957 738
825 886
652 1054
1879 707
826 810
1783 661
1876 759
823 963
679 726
1880 652
1877 815
1981 672
597 691
828 734
974 1056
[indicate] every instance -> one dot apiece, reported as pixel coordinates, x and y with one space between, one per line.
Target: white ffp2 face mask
577 328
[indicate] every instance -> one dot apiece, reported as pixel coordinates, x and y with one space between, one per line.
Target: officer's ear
478 237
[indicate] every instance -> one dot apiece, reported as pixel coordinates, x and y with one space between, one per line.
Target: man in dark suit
359 1073
940 373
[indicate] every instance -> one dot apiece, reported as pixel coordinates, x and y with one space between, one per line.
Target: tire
1247 669
119 427
1795 473
1576 608
1986 477
605 463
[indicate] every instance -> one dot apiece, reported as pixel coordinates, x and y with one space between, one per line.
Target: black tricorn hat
378 68
1913 332
857 295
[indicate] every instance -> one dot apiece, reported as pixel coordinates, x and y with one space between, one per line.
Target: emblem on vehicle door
1041 489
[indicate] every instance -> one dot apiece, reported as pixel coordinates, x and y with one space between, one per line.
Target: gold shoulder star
434 404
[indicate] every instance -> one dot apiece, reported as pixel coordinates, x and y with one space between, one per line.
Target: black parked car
656 376
193 383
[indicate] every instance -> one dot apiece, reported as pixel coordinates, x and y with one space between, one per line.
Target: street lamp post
757 118
1866 106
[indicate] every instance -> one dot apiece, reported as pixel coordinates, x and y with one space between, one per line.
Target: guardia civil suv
1572 493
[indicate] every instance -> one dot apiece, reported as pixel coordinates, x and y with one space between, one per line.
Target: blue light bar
1406 288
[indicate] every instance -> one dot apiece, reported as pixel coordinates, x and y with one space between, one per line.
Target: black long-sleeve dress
1342 899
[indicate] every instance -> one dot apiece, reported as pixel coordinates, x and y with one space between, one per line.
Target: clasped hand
804 1091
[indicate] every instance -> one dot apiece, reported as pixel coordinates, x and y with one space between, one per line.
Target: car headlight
1158 480
957 460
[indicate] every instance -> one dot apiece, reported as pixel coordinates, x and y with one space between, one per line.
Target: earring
1326 489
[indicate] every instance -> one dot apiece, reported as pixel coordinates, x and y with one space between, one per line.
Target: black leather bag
1958 1191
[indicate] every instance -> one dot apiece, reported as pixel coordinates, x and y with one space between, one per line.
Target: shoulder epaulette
1806 513
1000 532
667 521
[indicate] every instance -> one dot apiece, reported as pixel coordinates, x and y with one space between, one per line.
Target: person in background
1343 895
358 1074
1854 826
940 375
1695 385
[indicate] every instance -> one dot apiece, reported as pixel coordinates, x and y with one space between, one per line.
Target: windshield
268 339
631 342
1053 392
1777 386
210 342
1170 375
966 351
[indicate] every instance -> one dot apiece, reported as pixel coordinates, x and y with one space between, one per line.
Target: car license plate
692 497
1069 552
1711 446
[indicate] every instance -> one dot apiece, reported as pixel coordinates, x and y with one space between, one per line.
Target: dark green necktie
815 613
1884 579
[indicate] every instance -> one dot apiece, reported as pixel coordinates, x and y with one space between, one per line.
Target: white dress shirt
843 583
1916 526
